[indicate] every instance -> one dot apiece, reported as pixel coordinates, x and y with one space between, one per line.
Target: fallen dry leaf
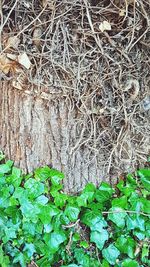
17 85
24 60
37 36
44 3
122 12
13 42
133 87
130 2
105 26
27 5
49 3
20 81
4 64
11 56
7 65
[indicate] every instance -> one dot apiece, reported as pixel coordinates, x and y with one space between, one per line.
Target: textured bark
36 131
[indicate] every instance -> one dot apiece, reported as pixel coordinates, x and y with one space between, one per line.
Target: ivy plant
100 227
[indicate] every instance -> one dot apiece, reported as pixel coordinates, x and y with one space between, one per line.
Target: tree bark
36 131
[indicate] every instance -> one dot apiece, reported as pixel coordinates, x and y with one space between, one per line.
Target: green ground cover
104 226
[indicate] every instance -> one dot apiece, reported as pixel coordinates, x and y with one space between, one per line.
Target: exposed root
103 76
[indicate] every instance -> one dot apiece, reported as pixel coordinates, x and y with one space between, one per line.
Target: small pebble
146 103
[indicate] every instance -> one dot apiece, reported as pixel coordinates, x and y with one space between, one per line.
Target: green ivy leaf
98 207
60 199
94 220
59 220
82 258
45 261
111 254
117 215
4 197
28 228
4 259
10 233
76 237
131 180
129 262
13 201
145 205
104 193
135 222
13 212
126 189
40 246
72 213
48 228
15 178
34 188
54 189
20 258
84 244
87 196
2 180
126 245
20 193
43 200
83 199
147 226
53 240
139 203
89 188
29 210
42 174
29 249
6 168
105 263
99 238
47 212
144 174
120 202
145 251
139 234
56 176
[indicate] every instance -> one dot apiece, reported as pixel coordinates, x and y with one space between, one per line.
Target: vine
43 226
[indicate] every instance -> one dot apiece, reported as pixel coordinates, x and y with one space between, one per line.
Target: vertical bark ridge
37 132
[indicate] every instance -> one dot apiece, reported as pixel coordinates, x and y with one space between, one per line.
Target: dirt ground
84 66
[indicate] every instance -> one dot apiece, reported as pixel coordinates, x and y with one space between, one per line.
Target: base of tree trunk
37 132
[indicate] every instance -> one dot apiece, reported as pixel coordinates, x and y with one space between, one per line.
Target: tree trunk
37 131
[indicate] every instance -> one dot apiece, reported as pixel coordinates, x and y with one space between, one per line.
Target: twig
92 28
26 27
127 211
1 26
71 225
